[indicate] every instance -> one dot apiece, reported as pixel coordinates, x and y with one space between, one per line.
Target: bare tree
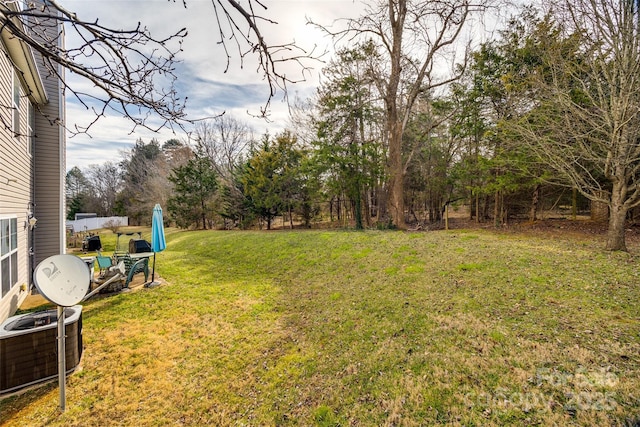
413 36
105 183
586 123
242 24
145 182
124 66
177 153
225 140
133 72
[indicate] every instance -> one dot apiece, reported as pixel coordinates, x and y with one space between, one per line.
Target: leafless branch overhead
132 72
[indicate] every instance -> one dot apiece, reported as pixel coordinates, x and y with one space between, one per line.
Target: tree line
545 113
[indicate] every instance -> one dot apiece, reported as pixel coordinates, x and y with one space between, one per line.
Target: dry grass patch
372 328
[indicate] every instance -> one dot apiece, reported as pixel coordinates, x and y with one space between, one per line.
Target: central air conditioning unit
28 347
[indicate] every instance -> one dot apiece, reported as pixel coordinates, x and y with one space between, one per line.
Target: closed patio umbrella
158 242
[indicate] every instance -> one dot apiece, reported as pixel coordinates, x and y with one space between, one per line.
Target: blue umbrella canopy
158 242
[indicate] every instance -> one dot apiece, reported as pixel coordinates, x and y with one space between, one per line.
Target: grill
137 246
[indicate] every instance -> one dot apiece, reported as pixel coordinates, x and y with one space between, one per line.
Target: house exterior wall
32 170
49 175
15 184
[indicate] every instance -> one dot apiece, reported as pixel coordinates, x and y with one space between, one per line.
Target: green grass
361 328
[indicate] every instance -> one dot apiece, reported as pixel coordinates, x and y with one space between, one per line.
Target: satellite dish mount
64 280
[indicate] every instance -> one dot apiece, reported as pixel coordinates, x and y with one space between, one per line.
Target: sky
240 92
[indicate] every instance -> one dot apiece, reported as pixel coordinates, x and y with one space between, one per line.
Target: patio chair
110 282
104 263
111 273
134 267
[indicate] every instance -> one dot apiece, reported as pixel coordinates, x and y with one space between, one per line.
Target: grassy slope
369 328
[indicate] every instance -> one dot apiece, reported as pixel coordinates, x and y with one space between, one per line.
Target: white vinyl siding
15 189
49 165
32 167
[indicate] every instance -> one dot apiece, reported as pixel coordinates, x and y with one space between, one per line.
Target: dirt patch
554 227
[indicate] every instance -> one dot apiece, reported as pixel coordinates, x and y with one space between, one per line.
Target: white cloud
239 92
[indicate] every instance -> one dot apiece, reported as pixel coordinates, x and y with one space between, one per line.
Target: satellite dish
62 279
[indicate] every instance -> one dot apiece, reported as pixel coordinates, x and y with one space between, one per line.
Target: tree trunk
396 177
357 208
397 16
446 216
331 209
204 217
617 217
290 218
381 208
367 207
535 199
615 235
472 208
497 210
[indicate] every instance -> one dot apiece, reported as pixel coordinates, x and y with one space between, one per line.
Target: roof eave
24 60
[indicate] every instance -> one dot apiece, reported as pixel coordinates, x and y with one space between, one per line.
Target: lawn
372 328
